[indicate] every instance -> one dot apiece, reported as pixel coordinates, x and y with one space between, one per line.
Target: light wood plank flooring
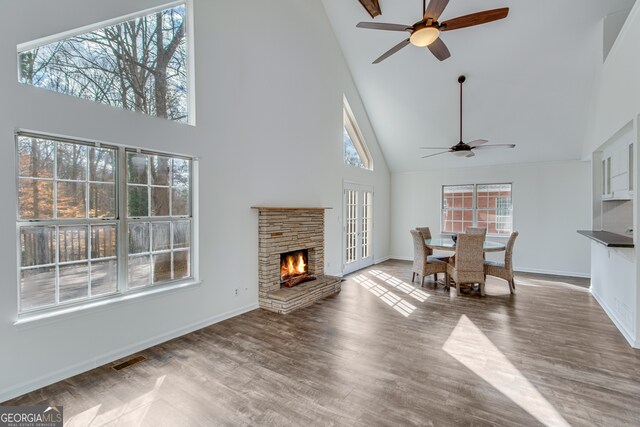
382 352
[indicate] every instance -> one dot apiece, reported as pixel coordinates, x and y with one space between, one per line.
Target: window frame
475 207
121 221
350 125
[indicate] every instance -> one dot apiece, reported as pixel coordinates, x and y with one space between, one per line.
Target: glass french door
357 227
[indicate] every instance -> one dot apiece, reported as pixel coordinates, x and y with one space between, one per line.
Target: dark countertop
608 239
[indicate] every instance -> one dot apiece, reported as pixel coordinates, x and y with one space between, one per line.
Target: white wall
616 102
269 84
550 202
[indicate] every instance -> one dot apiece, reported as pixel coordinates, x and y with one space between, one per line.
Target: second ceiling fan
426 32
462 149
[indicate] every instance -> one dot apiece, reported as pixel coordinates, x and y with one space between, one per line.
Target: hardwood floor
382 352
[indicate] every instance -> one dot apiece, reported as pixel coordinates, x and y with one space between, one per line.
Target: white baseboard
401 258
552 272
623 330
383 259
78 368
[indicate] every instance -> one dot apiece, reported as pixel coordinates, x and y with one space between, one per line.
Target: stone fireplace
288 231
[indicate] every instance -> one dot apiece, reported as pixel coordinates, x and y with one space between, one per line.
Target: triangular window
356 152
137 62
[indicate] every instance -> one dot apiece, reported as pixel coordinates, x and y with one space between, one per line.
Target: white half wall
269 132
550 202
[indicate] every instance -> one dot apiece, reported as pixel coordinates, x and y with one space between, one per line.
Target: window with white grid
77 242
487 206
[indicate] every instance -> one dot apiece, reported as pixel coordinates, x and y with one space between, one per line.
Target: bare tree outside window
138 65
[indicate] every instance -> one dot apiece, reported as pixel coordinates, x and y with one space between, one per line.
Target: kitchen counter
608 239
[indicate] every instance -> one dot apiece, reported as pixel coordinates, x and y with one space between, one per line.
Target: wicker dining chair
426 234
504 270
422 263
476 230
468 266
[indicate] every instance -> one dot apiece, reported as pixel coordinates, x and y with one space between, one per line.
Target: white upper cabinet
617 166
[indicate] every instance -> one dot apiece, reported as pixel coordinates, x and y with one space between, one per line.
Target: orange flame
292 265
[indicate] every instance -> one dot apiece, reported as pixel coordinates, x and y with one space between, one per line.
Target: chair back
419 250
476 231
508 254
426 234
469 253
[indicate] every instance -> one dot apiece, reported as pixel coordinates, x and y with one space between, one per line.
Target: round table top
446 244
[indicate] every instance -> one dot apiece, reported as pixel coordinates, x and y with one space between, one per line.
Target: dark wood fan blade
477 142
383 26
435 148
471 154
439 49
392 51
495 146
435 9
474 19
437 154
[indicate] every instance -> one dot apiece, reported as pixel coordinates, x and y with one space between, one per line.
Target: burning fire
292 265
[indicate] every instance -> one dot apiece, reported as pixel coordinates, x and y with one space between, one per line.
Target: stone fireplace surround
286 229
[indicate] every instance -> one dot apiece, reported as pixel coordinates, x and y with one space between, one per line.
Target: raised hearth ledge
286 300
287 208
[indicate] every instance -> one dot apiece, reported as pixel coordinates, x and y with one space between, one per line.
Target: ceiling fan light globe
423 37
461 153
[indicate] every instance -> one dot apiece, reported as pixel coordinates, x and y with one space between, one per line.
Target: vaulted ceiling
529 79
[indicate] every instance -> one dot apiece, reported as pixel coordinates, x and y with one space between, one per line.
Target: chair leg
512 286
482 289
413 278
422 281
435 277
458 288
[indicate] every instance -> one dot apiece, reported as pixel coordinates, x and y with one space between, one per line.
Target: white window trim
475 208
123 293
353 129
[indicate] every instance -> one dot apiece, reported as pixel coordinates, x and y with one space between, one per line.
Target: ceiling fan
462 149
426 32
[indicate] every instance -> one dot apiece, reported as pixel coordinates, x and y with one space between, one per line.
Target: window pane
35 199
37 287
181 173
138 201
102 201
139 271
104 277
71 200
181 234
160 170
35 157
73 243
103 241
137 168
181 265
161 236
138 237
159 201
102 164
72 161
74 281
180 202
118 65
37 245
161 267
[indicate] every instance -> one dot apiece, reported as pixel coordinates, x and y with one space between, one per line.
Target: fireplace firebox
294 268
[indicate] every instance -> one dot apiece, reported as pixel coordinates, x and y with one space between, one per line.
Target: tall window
356 152
483 205
138 64
77 242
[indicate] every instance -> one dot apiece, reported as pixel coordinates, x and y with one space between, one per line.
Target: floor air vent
128 363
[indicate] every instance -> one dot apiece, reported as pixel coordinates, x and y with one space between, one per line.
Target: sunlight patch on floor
137 408
471 347
385 295
404 287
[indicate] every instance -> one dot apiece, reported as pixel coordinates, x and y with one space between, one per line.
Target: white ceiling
528 79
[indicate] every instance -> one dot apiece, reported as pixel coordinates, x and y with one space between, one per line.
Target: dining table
447 244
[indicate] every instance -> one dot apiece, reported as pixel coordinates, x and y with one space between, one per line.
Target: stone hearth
283 230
